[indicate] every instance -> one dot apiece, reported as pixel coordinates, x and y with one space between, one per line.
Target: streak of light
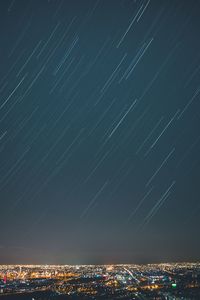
159 168
142 12
29 58
129 27
157 206
190 102
96 167
165 128
47 42
85 211
122 119
139 204
149 135
113 73
13 91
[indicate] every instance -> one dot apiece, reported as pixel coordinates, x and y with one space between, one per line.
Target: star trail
99 131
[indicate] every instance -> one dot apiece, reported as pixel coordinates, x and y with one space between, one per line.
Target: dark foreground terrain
48 295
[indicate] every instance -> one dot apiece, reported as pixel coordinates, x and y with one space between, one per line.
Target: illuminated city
125 281
99 149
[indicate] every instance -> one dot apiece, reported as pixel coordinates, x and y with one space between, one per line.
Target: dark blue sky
99 131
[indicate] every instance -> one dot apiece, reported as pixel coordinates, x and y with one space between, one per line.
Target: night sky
99 131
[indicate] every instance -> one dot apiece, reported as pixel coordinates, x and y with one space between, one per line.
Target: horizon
109 264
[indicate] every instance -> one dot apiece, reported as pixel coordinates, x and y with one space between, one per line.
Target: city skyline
131 281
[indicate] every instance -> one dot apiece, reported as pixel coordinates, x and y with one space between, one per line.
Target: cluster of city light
93 279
